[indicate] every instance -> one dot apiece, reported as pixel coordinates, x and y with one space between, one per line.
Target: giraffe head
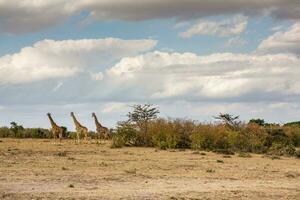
72 114
49 114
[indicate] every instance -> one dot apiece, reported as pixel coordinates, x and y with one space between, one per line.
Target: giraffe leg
106 134
54 136
77 133
86 135
60 135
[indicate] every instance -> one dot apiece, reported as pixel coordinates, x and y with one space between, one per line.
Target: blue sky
162 30
192 59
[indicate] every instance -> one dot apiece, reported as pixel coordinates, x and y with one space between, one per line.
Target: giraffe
79 128
56 130
102 131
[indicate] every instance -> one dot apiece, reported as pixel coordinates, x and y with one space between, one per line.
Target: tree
297 123
16 128
260 122
229 120
142 115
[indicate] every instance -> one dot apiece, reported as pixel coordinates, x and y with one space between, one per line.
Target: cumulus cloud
60 59
30 16
181 84
133 76
283 41
161 75
229 27
27 15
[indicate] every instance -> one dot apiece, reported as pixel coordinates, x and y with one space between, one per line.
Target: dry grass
41 169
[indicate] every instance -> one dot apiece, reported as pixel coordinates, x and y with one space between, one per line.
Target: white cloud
28 16
236 42
96 76
287 41
59 59
114 107
154 9
229 27
277 28
181 24
161 75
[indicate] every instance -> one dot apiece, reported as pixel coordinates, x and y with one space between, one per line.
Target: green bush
35 133
293 132
6 132
24 133
118 141
276 134
250 138
203 137
183 130
164 134
126 135
281 149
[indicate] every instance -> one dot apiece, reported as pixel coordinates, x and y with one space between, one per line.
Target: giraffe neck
96 121
53 124
77 124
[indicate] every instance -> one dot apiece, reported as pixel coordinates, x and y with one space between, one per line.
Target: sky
192 59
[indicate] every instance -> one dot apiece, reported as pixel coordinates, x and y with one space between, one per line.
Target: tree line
228 134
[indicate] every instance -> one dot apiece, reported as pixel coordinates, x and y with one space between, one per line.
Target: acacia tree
142 115
16 129
229 120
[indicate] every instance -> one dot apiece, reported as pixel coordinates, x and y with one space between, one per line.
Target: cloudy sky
192 58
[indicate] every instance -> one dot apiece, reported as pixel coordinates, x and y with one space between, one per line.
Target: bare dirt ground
41 169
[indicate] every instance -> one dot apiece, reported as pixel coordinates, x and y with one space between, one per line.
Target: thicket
227 135
18 131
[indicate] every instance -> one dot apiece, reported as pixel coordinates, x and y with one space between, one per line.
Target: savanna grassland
43 169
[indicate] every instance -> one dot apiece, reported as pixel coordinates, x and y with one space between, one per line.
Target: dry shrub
250 138
210 137
171 133
293 132
181 133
